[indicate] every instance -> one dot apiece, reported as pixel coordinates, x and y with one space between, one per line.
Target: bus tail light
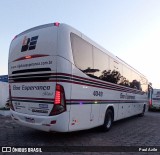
56 24
59 101
28 57
10 99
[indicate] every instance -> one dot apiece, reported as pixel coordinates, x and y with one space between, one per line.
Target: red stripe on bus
30 57
45 99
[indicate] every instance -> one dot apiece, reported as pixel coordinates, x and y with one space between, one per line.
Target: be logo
29 43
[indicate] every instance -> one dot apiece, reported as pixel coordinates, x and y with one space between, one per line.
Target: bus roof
85 38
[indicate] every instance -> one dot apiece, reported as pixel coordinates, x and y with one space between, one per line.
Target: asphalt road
129 134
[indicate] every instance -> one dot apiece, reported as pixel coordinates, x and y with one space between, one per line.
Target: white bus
154 103
60 80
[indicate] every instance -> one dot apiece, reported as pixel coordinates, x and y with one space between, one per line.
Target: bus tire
108 120
143 111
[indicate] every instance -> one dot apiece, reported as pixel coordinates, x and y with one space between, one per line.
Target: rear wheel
108 120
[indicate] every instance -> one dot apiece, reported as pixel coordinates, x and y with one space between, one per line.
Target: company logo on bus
29 43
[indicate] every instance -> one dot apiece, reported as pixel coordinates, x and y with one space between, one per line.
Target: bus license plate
30 120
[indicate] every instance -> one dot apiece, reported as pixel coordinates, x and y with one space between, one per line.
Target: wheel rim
109 121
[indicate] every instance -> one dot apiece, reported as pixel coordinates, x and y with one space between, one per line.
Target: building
4 78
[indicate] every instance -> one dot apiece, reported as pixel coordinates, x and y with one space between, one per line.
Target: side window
93 62
101 63
82 54
115 71
144 84
126 77
135 83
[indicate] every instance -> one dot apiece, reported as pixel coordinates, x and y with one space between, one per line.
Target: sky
130 29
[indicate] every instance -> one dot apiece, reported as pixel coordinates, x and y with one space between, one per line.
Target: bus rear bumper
57 123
